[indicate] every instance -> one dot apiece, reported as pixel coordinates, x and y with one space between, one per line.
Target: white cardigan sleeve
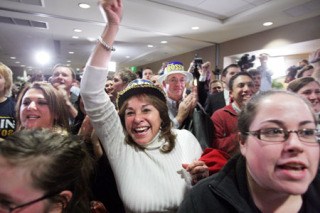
101 110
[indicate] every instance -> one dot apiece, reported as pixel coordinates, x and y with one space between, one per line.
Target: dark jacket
214 102
227 191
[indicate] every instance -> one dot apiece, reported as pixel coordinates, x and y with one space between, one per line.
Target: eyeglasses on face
176 80
5 206
281 135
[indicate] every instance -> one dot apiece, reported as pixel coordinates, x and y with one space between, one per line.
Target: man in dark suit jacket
221 99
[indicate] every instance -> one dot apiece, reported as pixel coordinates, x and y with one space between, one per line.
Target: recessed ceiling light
17 62
68 65
12 57
163 42
75 37
195 28
42 57
84 6
68 61
71 52
268 23
150 45
77 30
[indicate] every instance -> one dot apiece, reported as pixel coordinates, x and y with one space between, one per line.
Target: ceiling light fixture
75 37
71 52
84 6
42 57
17 62
12 57
163 42
268 23
127 56
150 45
77 30
195 28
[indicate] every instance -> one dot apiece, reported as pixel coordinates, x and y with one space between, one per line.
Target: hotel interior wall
302 31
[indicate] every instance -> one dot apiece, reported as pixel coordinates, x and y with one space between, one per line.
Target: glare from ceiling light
75 37
17 62
91 39
150 45
42 57
163 42
68 61
71 52
12 57
268 23
77 30
195 28
112 66
84 6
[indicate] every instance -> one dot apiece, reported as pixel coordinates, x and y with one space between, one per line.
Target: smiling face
281 167
311 91
109 87
62 78
175 85
34 110
242 90
142 120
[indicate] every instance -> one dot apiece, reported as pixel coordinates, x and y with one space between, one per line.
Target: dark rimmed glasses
281 135
5 206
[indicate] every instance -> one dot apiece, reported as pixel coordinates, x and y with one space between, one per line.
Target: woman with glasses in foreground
42 171
277 170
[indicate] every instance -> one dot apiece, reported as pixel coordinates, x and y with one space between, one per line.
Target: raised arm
112 11
103 115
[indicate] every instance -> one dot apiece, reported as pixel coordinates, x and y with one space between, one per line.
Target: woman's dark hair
56 103
249 112
165 131
56 162
297 84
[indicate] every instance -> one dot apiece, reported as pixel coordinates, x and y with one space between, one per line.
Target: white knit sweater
148 180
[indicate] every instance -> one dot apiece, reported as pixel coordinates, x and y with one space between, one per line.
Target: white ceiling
144 22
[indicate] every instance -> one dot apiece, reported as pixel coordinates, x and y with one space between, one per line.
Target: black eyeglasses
281 135
5 205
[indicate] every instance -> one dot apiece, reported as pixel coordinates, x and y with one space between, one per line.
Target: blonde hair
7 75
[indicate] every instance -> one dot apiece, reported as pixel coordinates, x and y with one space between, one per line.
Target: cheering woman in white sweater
145 153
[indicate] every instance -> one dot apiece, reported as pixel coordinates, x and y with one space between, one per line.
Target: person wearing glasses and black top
277 170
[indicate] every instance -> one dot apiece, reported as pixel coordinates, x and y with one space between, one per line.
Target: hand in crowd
112 11
72 110
197 169
184 108
88 134
205 68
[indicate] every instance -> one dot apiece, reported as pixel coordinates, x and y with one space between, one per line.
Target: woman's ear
242 144
66 196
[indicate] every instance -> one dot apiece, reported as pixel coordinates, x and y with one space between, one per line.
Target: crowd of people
131 143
